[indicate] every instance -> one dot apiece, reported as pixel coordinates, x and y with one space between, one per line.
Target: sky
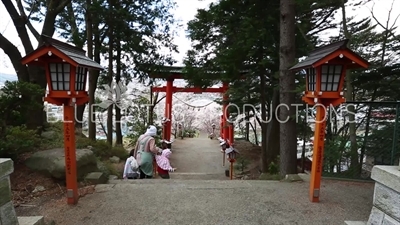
186 11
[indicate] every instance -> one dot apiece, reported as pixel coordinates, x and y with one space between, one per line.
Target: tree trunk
263 99
118 131
288 138
303 151
80 109
92 33
247 132
110 129
351 109
273 129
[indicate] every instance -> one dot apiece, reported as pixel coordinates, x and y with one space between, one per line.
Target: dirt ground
250 152
28 201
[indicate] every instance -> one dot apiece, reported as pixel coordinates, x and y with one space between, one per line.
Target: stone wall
386 202
7 212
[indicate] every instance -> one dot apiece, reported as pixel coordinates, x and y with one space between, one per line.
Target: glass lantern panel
324 69
60 85
80 78
54 86
66 76
53 77
336 78
66 86
324 86
335 86
330 75
311 79
53 67
67 67
338 69
60 67
324 78
60 77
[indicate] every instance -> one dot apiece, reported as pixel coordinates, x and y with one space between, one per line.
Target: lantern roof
231 149
325 53
71 54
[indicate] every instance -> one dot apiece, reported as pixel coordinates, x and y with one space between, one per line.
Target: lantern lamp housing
232 153
325 69
66 68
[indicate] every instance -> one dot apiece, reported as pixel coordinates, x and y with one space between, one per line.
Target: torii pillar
225 113
168 110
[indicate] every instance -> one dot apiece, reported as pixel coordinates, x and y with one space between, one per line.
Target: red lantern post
325 69
66 69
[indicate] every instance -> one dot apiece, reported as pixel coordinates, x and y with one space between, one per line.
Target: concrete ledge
387 201
6 167
5 191
388 176
355 222
31 220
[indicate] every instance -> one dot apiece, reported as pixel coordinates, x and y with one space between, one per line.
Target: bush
17 140
57 140
241 164
102 149
273 168
120 152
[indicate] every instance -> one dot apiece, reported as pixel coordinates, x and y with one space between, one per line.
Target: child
163 164
129 172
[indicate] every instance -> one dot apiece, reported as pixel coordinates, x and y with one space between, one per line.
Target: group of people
140 165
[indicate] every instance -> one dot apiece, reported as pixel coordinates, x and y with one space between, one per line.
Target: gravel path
197 158
211 202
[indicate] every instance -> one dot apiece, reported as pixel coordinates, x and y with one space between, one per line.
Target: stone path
197 158
212 198
184 202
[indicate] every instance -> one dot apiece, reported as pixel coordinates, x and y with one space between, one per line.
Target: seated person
129 172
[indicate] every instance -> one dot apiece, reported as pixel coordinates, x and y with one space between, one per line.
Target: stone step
355 222
31 220
181 176
192 183
198 176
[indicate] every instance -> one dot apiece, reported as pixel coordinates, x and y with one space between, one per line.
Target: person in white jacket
129 173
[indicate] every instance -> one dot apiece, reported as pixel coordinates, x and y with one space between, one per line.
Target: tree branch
381 25
54 7
12 52
19 23
27 21
62 5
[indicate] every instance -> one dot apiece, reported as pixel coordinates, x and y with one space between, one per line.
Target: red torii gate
172 73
